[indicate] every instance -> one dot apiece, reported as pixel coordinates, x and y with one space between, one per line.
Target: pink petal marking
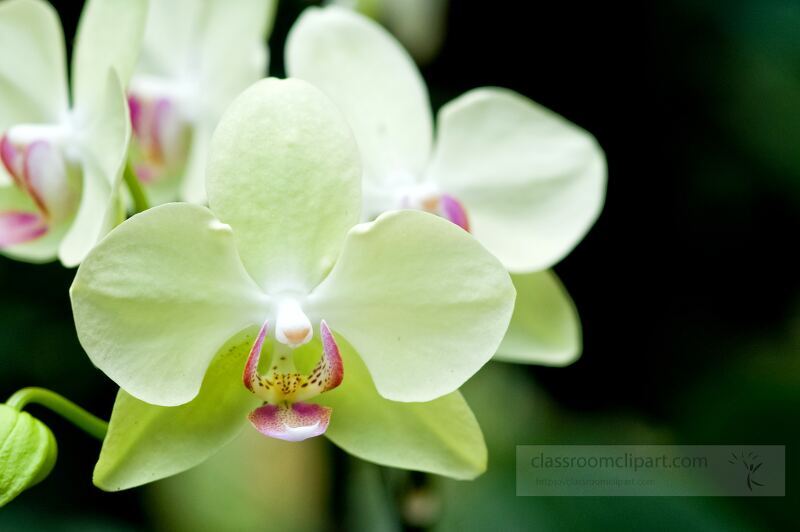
162 111
12 159
45 174
250 376
296 422
19 227
453 210
135 107
330 368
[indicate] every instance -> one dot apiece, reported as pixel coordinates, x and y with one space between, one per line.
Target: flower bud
27 452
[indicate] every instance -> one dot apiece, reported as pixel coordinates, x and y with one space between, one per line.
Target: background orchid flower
525 182
62 157
179 302
197 56
418 24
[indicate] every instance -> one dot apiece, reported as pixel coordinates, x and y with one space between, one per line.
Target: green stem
76 415
140 202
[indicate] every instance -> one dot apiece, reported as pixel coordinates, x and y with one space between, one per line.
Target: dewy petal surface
155 300
33 79
147 442
106 132
108 36
375 83
545 328
440 436
421 301
284 172
532 182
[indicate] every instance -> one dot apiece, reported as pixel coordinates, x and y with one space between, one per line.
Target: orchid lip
161 128
427 197
285 414
35 157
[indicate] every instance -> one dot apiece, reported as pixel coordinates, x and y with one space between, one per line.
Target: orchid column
524 181
275 306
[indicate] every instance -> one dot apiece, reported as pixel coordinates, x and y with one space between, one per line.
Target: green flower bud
27 452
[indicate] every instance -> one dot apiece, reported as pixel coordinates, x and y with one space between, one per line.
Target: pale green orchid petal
40 250
545 328
420 300
284 172
109 36
440 436
157 297
242 26
33 78
147 443
105 133
170 35
193 185
532 182
375 83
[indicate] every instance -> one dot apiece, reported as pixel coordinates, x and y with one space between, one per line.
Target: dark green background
687 286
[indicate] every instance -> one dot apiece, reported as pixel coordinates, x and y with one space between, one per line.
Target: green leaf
33 75
362 68
440 436
158 296
27 452
545 328
284 172
532 182
424 305
147 442
109 37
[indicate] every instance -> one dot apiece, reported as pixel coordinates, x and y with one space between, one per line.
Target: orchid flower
62 158
418 24
209 317
524 181
197 56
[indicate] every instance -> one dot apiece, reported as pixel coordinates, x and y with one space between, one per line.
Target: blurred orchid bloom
197 56
62 159
169 303
418 24
524 181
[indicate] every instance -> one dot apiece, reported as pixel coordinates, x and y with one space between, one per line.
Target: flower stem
140 202
76 415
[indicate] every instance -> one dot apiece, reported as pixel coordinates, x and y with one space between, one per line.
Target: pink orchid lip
444 205
291 422
38 168
20 227
452 209
159 134
285 414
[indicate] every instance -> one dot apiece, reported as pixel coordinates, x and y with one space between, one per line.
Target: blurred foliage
687 287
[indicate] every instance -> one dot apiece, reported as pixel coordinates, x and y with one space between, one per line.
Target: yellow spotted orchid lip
285 414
